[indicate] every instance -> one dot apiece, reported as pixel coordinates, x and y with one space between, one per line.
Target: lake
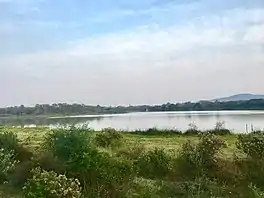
234 120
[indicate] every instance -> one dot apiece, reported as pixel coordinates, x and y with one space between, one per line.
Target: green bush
108 137
99 173
198 159
46 161
67 144
131 152
252 167
251 171
20 173
9 141
251 144
153 164
7 163
49 162
45 184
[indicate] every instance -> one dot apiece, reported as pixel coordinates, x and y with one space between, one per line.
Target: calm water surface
234 120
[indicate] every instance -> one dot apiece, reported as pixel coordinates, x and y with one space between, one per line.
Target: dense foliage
73 109
78 162
45 184
7 163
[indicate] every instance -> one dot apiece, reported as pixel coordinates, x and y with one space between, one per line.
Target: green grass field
32 138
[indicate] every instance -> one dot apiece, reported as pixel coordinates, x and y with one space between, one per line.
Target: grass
33 137
152 163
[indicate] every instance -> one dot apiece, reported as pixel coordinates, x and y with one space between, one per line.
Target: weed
156 131
153 164
108 138
220 129
193 130
130 152
9 141
198 159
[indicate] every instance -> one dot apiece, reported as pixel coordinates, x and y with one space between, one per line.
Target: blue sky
47 44
30 25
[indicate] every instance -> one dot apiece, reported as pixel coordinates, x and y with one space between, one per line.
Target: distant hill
239 97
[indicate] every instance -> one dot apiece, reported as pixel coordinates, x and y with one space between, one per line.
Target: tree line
77 109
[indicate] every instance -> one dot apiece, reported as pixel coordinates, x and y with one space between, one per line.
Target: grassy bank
39 162
170 141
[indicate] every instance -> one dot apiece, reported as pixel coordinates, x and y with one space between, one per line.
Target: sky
120 52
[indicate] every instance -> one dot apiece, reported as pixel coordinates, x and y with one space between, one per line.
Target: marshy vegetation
79 162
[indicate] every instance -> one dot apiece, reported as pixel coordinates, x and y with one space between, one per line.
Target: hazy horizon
129 52
126 105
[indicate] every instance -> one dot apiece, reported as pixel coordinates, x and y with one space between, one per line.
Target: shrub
131 152
227 172
99 173
20 173
193 130
252 166
156 131
45 184
258 132
251 171
117 175
198 159
153 164
67 144
220 129
108 137
252 145
48 162
9 141
7 163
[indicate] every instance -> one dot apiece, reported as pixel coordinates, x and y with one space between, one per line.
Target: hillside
240 97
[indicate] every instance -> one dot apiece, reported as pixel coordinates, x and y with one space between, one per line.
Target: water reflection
23 122
234 120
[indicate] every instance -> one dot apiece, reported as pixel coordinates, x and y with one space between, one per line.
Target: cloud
207 57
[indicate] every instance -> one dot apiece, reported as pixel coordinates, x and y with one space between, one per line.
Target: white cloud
147 65
155 39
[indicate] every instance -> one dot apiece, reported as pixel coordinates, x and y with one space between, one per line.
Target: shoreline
59 116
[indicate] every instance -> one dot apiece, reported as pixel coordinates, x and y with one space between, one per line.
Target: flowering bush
45 184
252 145
7 163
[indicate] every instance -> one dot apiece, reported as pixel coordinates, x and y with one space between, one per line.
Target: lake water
234 120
